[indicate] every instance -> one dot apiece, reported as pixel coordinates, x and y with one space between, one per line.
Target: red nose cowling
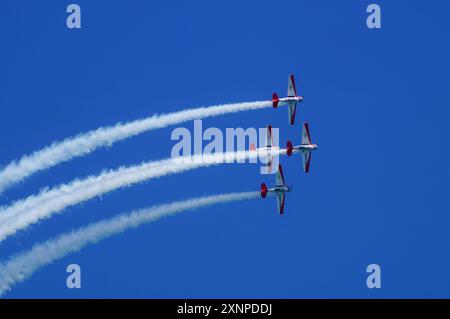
275 100
289 148
263 190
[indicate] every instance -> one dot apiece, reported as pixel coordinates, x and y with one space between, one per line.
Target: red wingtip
275 100
263 190
289 148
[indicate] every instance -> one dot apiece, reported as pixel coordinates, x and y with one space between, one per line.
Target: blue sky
377 102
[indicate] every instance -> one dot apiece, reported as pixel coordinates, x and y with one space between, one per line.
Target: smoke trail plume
22 266
86 143
30 210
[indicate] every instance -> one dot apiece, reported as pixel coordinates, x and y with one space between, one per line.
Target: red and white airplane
305 148
268 146
279 190
292 99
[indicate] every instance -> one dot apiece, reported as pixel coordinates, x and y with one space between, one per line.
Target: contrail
86 143
20 267
30 210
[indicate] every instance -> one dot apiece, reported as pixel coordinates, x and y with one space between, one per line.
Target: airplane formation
305 148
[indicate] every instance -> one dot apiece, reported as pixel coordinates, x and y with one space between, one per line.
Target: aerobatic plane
279 190
268 146
305 148
292 99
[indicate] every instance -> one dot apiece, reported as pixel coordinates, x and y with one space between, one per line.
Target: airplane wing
279 178
280 202
270 163
292 107
269 138
306 138
306 160
292 91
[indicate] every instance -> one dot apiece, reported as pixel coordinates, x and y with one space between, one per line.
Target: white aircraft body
291 100
305 148
279 190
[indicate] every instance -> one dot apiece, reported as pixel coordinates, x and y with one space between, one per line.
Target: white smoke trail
86 143
30 210
22 266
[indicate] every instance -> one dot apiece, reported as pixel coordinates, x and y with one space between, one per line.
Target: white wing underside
280 202
279 180
291 87
292 106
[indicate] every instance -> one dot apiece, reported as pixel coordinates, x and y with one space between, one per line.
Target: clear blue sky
377 102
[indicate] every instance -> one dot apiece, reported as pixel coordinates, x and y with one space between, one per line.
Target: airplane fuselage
280 189
292 99
304 147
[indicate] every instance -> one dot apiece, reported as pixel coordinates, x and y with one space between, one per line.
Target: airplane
268 146
305 148
279 190
291 99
